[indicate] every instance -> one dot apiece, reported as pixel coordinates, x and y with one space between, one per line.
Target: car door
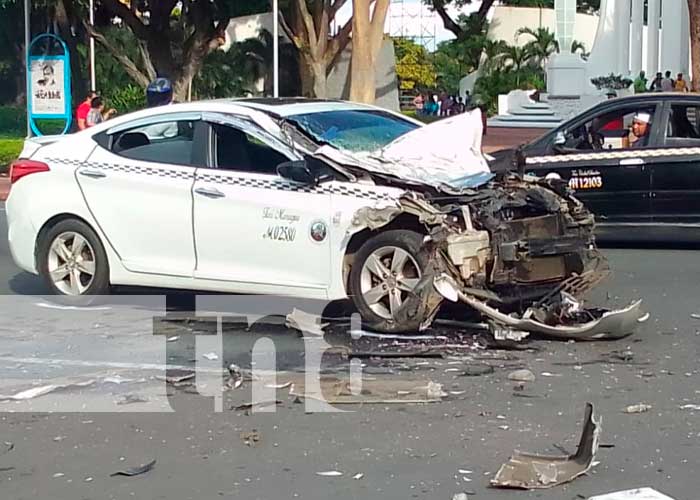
138 184
251 226
675 174
594 156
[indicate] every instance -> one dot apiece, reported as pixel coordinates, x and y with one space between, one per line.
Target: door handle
628 162
209 192
94 174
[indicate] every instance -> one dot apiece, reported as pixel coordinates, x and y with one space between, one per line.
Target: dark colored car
637 192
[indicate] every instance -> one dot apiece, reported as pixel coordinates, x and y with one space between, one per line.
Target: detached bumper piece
530 471
562 318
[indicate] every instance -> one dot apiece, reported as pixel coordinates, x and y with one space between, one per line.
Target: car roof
250 107
288 106
657 96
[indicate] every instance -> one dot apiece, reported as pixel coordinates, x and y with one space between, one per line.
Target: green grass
10 147
423 118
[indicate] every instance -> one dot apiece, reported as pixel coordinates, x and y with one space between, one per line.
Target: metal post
275 49
27 41
93 85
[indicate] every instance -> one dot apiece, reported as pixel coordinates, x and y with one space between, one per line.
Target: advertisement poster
47 84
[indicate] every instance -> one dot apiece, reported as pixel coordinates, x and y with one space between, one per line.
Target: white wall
506 21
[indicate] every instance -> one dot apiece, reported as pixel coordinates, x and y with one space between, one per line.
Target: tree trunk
363 83
367 39
320 76
694 11
309 30
306 77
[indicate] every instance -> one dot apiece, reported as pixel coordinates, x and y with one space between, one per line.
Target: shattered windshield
354 130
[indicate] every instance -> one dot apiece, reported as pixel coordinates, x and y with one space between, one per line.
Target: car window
167 142
683 125
610 130
354 130
236 150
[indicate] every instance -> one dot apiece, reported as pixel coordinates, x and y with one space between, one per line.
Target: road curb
4 187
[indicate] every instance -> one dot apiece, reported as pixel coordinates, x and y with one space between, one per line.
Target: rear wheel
385 271
73 262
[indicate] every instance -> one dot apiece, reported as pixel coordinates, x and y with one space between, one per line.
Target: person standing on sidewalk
97 113
83 109
667 84
680 84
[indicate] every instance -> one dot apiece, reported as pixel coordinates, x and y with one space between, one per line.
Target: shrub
487 88
611 82
10 149
128 98
13 121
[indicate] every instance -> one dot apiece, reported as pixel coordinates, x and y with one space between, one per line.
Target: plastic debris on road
305 322
330 473
35 392
532 471
251 438
521 376
335 390
637 494
638 408
135 471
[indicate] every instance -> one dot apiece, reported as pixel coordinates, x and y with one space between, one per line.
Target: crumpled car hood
445 155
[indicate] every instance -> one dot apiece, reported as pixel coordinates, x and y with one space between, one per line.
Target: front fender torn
375 218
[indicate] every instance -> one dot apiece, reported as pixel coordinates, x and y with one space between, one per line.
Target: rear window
354 130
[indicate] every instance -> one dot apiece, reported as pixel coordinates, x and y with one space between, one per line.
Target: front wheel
385 271
73 262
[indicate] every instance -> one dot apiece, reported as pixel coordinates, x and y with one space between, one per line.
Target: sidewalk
4 187
503 138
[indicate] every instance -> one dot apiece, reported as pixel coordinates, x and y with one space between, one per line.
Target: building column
622 26
685 41
637 37
653 17
675 36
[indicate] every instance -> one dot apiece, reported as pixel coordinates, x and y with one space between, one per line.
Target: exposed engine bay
520 251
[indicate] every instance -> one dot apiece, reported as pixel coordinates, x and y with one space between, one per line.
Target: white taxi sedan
312 199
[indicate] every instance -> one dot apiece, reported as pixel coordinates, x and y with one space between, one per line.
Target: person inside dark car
641 126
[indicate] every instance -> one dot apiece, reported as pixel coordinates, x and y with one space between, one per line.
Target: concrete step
497 123
532 112
528 118
536 105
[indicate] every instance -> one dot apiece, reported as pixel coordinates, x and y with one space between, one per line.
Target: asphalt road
66 444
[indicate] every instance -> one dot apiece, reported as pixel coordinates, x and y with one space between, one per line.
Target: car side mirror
297 171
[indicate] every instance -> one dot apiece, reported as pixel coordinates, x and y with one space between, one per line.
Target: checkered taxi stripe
614 155
354 191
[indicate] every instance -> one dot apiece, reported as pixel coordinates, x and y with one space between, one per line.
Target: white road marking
71 308
105 364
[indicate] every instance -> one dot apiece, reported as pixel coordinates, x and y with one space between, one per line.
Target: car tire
73 263
372 293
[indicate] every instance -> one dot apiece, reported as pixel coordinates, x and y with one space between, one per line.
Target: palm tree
580 47
515 59
543 45
492 55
